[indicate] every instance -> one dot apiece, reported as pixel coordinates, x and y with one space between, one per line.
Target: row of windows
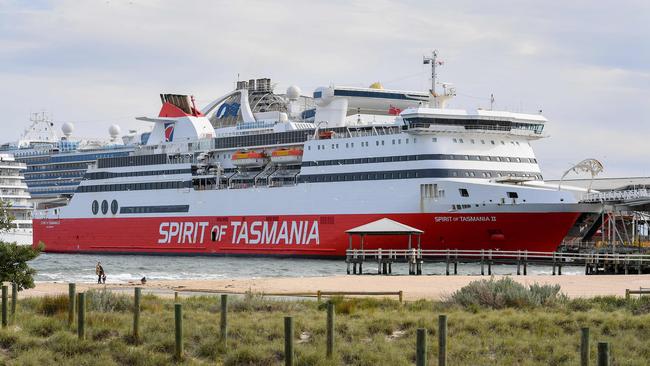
387 159
133 186
42 176
134 160
108 175
55 167
154 209
415 173
474 124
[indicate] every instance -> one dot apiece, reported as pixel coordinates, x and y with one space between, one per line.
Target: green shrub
52 305
505 293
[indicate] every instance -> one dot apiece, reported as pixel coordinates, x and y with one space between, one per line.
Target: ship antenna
433 61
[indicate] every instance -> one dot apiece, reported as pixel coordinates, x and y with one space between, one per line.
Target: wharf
593 263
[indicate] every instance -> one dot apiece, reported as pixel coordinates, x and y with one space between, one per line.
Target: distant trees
13 257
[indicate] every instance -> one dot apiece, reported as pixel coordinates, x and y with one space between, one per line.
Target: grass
537 331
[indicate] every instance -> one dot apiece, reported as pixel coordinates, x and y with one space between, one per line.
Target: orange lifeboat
325 135
287 156
249 159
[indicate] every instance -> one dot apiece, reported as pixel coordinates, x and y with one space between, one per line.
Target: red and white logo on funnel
169 132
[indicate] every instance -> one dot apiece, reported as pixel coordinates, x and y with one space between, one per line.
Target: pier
415 259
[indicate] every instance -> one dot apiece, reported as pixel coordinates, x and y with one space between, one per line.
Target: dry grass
365 332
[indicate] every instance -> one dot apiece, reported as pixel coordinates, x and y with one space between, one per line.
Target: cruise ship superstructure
15 201
254 173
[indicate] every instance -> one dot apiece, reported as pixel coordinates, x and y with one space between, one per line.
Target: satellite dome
114 131
376 85
67 129
293 92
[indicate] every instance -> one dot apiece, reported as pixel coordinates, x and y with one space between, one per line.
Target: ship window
393 141
455 141
352 144
472 174
513 195
503 143
472 141
492 142
435 139
454 174
460 140
483 142
517 142
518 160
377 142
407 141
466 157
467 174
463 192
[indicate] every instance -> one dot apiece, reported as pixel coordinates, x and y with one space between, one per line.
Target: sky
585 64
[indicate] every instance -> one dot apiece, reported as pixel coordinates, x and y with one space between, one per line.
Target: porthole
104 207
95 207
114 207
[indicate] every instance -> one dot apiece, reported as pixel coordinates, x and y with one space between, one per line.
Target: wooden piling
81 315
178 330
482 262
14 300
603 354
224 318
421 347
584 347
5 300
442 340
72 296
137 292
288 341
330 330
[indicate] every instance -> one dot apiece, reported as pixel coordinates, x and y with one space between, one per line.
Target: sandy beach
413 287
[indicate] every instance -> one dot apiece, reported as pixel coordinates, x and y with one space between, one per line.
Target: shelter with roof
384 227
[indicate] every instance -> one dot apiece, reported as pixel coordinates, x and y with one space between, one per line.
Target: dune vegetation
489 323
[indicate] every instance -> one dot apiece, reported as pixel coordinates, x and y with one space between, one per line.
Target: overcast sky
586 64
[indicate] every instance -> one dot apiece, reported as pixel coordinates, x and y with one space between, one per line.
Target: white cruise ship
16 200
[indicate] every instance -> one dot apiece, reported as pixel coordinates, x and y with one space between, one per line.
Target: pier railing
593 262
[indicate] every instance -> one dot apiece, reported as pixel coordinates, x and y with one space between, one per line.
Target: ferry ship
255 173
15 201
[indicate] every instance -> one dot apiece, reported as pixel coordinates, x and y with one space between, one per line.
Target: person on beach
99 271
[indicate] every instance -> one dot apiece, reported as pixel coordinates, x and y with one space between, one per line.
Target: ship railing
630 194
491 254
472 127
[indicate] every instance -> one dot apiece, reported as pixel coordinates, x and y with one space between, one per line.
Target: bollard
14 300
603 354
81 315
224 318
288 341
421 344
178 330
136 313
330 329
442 340
584 347
72 295
4 305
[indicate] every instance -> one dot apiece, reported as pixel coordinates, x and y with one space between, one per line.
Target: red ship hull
309 235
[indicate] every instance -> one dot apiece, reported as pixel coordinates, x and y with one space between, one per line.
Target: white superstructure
14 196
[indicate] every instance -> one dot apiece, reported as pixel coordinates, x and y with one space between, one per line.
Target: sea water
124 268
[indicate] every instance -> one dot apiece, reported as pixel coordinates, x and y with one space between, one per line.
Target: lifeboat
249 159
287 156
325 135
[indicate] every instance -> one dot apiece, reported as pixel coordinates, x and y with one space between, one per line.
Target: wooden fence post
330 329
288 341
442 340
136 313
421 351
72 296
603 354
4 306
584 347
178 330
224 318
14 300
81 315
